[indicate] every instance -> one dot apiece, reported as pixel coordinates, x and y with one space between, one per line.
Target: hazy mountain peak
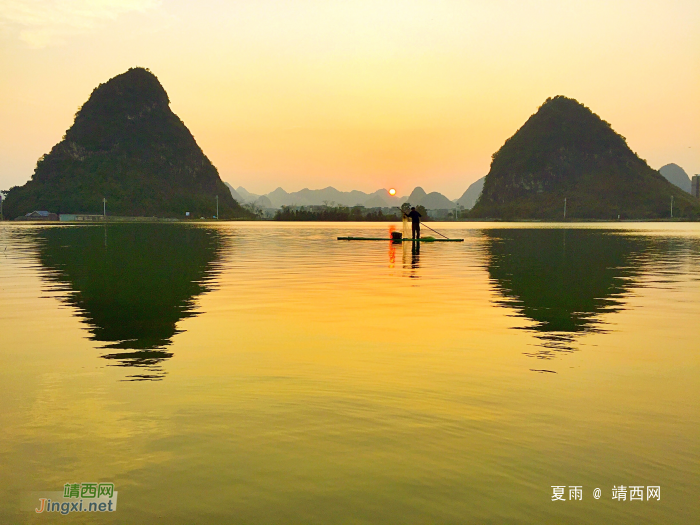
416 196
436 201
469 197
676 175
236 196
246 195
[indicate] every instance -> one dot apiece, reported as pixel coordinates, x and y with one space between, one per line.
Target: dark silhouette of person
415 222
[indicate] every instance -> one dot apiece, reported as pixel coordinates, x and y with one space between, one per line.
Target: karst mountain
128 147
565 151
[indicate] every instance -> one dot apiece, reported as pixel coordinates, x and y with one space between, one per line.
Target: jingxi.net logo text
76 497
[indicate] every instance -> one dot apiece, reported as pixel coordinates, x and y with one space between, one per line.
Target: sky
356 94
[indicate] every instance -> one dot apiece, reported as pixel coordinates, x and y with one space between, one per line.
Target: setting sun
392 191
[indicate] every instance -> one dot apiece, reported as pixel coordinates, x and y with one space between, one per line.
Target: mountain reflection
563 279
131 283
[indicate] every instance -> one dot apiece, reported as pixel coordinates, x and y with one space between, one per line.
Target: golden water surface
268 373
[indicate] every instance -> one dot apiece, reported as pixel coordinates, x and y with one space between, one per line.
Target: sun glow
392 192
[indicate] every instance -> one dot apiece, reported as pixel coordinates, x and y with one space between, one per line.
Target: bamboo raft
422 239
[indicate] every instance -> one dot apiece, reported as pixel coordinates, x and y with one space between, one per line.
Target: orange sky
356 94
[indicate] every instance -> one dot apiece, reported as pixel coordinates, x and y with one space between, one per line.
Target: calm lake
266 373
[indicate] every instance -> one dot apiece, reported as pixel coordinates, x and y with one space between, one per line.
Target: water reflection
563 280
410 257
410 261
131 283
415 260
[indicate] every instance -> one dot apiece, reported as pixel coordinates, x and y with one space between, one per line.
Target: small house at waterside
38 216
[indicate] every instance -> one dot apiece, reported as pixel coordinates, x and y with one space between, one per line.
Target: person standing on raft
415 222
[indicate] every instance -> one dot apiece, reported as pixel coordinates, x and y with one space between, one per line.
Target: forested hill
127 146
567 151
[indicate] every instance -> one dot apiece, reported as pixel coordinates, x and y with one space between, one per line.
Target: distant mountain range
381 198
331 196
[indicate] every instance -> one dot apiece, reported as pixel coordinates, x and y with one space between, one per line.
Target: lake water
267 373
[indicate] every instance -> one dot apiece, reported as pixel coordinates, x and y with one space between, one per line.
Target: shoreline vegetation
301 215
343 214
